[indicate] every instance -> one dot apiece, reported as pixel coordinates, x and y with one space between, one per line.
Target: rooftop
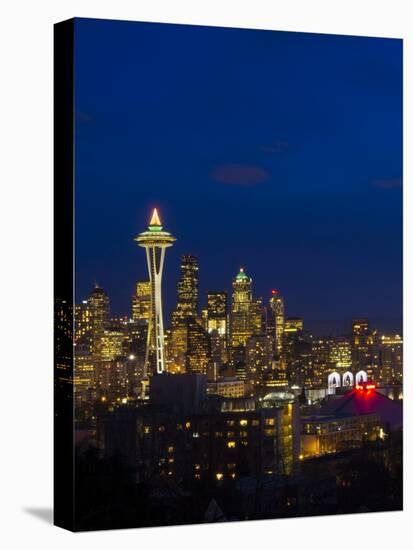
242 276
358 402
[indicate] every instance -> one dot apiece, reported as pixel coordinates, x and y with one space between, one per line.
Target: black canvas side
63 275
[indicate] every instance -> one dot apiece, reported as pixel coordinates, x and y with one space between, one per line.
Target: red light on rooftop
274 292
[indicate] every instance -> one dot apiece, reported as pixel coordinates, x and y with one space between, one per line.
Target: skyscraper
297 349
241 309
155 241
246 313
259 353
277 308
198 351
186 309
340 354
217 326
391 359
83 323
98 303
141 302
362 345
188 293
217 312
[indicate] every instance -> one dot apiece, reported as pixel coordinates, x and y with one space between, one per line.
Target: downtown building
184 435
246 316
298 352
217 326
188 342
90 322
186 310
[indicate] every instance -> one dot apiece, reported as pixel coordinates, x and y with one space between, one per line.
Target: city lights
224 380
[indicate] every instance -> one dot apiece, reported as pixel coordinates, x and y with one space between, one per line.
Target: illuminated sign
365 387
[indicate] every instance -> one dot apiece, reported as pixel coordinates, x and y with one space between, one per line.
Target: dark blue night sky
279 152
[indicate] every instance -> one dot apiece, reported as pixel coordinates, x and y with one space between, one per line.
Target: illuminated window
269 421
161 428
219 476
146 429
243 422
230 422
255 423
231 444
170 449
187 425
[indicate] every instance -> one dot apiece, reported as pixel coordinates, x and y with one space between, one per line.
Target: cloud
240 174
388 183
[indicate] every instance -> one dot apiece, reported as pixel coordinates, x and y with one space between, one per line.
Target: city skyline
253 370
205 289
212 126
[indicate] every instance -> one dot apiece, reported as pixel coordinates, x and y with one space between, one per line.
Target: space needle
155 241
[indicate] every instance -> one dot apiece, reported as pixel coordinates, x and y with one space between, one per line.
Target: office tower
141 302
241 309
186 310
340 354
361 337
83 320
111 344
257 317
362 345
217 312
259 357
297 349
277 310
217 325
198 353
63 326
320 352
155 241
188 293
98 303
360 329
83 329
390 359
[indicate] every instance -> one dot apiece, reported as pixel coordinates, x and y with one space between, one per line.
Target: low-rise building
331 434
228 387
